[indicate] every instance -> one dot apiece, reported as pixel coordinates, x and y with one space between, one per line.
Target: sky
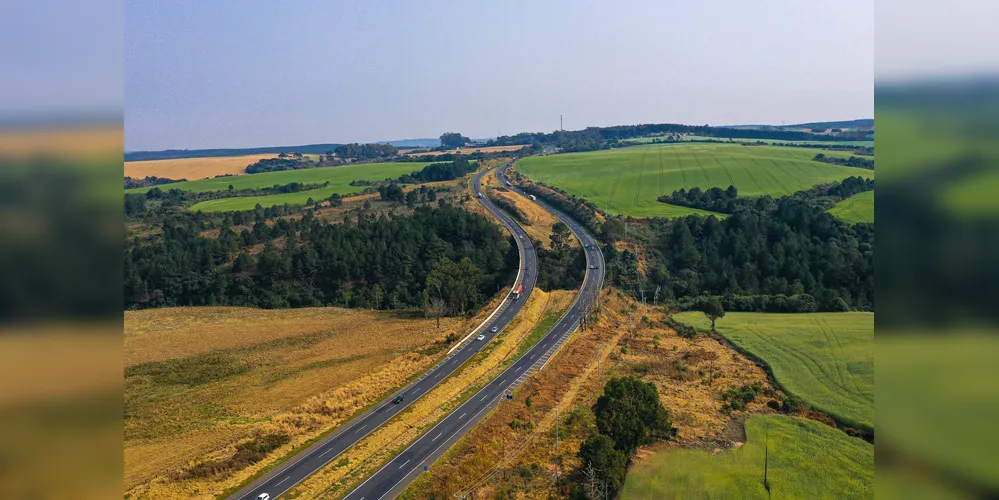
252 73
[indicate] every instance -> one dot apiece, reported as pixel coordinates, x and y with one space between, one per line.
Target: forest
374 263
786 254
727 201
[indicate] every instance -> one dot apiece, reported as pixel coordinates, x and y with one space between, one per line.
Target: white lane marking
404 464
462 415
518 368
283 480
484 397
361 427
439 435
325 452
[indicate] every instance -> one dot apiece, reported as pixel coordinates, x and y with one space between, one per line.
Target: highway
395 476
305 463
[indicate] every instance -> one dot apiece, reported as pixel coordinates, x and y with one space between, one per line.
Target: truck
532 197
516 293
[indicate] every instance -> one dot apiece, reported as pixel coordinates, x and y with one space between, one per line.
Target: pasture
628 181
648 140
192 168
857 208
827 359
805 459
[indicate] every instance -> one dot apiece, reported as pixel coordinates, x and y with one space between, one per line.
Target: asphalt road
287 475
392 479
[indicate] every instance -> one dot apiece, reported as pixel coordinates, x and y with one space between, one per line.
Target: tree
436 307
336 200
712 308
411 198
560 237
630 413
608 463
452 140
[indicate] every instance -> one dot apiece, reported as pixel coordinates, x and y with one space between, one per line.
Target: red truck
516 293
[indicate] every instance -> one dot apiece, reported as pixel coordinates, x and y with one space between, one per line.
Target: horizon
226 75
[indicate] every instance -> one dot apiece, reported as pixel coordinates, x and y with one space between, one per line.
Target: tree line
852 161
760 256
149 180
360 152
727 201
390 262
136 206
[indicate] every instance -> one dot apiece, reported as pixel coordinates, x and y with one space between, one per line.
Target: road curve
395 476
284 477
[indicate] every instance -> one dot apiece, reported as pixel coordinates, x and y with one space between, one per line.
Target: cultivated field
199 382
648 140
805 459
857 208
825 358
192 168
628 181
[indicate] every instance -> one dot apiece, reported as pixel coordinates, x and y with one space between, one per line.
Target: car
494 329
480 337
397 400
592 266
521 236
263 496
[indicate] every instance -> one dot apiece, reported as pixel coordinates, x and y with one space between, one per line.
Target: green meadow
648 140
628 181
827 359
338 177
857 208
805 459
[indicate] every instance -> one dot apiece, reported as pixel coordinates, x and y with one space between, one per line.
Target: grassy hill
825 358
628 181
805 459
857 208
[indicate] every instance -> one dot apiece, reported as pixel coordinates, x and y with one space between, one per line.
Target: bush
630 413
737 398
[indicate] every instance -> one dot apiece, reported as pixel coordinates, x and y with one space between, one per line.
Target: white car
494 329
480 337
264 496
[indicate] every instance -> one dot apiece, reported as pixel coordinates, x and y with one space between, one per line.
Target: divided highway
392 479
287 475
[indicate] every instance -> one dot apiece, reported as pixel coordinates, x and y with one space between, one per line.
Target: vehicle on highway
494 329
516 293
397 400
480 337
480 195
263 496
592 266
532 197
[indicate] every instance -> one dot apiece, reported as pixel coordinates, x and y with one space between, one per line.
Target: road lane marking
484 397
361 427
518 368
325 452
462 415
404 464
283 480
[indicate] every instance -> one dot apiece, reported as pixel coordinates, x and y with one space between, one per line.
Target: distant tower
560 124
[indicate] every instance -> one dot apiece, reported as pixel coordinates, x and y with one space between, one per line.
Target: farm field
857 208
825 358
192 168
466 151
200 380
805 459
648 140
628 181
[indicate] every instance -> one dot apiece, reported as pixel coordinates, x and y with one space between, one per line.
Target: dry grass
200 382
501 461
63 142
468 151
365 457
541 221
192 168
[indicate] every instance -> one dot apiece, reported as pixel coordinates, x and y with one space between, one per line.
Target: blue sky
256 73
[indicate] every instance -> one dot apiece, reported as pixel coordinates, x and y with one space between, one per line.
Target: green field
648 140
857 208
627 181
805 459
825 358
338 177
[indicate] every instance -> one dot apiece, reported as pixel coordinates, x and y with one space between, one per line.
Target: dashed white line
404 464
518 368
484 397
462 415
435 439
325 452
361 427
283 480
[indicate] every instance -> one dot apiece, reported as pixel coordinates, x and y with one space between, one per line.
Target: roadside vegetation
827 359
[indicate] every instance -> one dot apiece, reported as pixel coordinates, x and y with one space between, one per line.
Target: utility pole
556 430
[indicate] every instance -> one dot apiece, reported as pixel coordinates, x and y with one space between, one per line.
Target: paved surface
392 479
313 458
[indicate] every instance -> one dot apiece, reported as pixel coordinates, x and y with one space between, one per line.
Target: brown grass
191 168
513 461
365 457
202 383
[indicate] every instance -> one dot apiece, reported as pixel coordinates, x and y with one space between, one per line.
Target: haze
256 73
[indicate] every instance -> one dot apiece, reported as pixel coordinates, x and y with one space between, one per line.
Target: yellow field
192 168
85 141
200 381
365 457
496 458
468 151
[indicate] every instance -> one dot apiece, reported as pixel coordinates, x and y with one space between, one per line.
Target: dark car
397 400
